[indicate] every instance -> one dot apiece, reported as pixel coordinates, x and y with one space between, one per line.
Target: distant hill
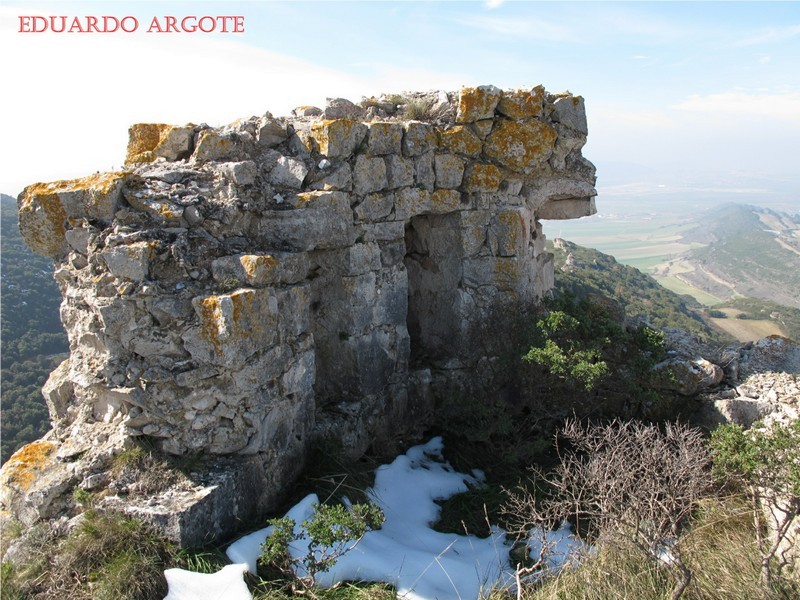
583 271
748 251
32 335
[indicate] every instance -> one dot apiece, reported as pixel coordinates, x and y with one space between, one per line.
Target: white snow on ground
422 563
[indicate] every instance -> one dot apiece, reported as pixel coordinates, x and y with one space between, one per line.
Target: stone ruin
237 291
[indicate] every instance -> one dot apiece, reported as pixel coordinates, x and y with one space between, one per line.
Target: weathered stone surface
47 210
148 141
418 139
288 172
460 140
271 132
571 112
521 146
385 138
449 171
276 284
522 103
399 171
482 177
241 173
369 175
338 138
477 103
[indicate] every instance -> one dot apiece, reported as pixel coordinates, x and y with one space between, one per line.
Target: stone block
399 171
233 327
148 141
384 138
369 175
131 261
482 177
474 226
46 210
374 207
340 178
271 132
424 175
509 233
571 111
460 139
260 270
521 146
523 103
338 138
240 173
449 171
214 145
476 103
288 172
418 138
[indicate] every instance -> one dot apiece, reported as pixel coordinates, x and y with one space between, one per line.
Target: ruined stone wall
236 289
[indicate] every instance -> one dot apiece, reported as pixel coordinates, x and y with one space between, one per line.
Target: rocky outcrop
239 290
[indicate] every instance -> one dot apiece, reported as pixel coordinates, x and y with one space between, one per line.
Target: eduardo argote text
130 24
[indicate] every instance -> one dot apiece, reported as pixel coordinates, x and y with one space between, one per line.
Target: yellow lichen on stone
338 138
25 464
482 177
475 103
257 267
143 139
522 103
443 201
521 145
460 140
45 209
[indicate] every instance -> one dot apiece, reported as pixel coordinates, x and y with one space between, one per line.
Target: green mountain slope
750 251
583 271
32 335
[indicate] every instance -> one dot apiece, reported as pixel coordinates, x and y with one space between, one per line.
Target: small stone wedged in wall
239 290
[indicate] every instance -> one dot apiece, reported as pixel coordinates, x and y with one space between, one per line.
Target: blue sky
699 95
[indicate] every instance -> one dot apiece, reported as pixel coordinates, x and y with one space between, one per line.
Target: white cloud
492 4
70 99
770 35
782 106
529 28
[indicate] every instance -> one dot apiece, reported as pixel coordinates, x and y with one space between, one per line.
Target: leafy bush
765 462
332 531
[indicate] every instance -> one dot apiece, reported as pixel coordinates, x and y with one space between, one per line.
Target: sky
679 95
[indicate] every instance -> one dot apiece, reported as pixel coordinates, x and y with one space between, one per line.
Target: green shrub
333 531
765 462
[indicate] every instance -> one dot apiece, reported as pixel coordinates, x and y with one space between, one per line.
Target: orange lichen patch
511 227
445 200
237 324
460 140
213 146
523 103
338 138
477 103
143 139
257 267
26 463
506 271
45 209
385 138
521 145
482 177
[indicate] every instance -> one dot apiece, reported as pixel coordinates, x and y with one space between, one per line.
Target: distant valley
740 261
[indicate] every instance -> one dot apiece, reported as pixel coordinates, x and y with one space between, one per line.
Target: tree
765 462
627 479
